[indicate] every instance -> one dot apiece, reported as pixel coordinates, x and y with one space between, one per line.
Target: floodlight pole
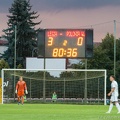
15 47
15 55
114 47
85 92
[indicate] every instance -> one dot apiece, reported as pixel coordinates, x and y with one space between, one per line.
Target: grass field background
56 112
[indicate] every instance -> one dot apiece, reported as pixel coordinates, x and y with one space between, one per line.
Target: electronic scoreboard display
65 43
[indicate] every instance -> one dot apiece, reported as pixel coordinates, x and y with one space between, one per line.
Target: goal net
71 85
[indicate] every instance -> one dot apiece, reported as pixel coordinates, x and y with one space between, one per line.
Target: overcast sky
96 14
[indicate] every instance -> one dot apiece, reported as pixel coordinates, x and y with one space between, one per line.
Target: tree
21 17
3 64
100 59
108 45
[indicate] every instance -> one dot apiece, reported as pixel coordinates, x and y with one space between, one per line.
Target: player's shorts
114 98
20 93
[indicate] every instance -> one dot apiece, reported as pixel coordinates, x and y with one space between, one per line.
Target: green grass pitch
56 112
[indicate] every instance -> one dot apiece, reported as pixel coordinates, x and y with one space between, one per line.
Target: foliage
19 66
3 64
20 21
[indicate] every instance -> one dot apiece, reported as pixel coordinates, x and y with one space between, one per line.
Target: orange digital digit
61 52
80 41
50 41
65 43
74 52
69 52
55 52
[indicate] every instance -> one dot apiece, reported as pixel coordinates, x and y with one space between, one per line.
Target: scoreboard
65 43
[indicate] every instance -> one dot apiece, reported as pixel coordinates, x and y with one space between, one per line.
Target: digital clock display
65 43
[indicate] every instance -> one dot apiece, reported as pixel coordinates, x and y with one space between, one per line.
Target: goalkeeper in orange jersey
21 89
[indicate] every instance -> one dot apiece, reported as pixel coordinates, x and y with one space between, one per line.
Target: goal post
84 86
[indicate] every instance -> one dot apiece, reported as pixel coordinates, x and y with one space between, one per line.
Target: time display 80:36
65 43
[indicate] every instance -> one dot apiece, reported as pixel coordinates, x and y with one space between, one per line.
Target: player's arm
16 88
112 90
26 88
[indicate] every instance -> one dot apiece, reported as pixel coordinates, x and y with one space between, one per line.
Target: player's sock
18 100
118 107
110 107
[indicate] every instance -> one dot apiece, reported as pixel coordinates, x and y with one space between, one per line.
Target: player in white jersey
114 94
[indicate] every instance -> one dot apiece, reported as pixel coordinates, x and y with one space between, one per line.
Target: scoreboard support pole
66 63
44 87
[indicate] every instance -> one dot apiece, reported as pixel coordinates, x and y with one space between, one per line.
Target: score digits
50 41
65 50
79 41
